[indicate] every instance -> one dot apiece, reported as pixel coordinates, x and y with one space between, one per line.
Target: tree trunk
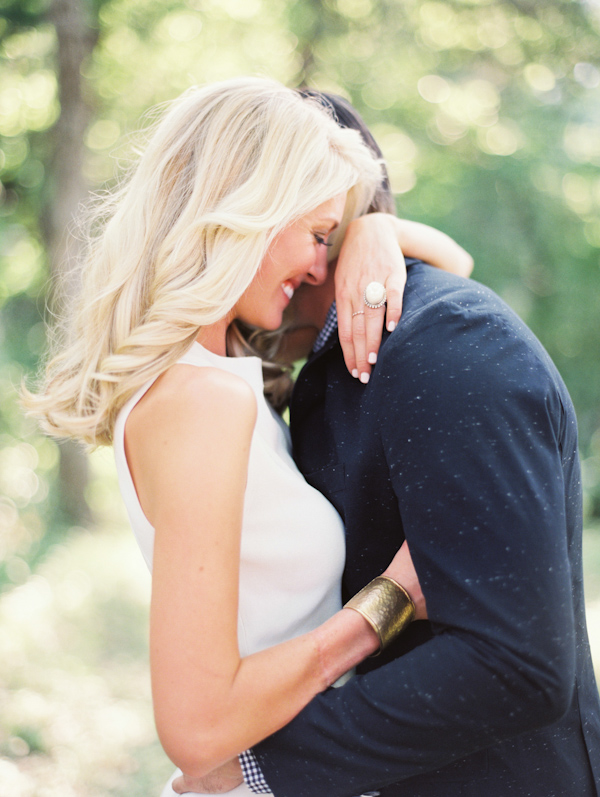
76 41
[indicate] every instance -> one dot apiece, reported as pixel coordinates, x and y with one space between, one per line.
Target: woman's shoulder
196 396
192 382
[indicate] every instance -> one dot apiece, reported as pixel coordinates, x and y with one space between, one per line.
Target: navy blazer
464 442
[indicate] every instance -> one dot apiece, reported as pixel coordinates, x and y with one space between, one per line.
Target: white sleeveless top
292 545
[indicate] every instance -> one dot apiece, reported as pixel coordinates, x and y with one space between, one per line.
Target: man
463 442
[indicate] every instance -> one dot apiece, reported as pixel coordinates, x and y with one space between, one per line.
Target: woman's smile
288 289
298 254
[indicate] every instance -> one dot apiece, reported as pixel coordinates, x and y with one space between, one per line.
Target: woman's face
297 255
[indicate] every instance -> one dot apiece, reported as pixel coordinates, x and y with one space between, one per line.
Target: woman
231 207
371 249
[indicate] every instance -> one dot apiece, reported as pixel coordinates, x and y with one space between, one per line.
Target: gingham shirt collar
329 327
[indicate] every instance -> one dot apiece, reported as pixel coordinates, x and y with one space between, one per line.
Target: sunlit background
489 115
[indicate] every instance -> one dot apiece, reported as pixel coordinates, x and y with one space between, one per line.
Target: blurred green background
489 115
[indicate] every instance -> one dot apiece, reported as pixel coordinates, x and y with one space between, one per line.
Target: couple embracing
452 441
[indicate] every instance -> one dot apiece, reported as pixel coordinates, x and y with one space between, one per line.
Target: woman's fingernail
391 326
355 373
372 358
364 378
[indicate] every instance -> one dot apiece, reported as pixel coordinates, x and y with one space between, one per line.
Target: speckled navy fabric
464 442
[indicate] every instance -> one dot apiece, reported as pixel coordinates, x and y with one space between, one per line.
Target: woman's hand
372 251
369 253
219 781
402 570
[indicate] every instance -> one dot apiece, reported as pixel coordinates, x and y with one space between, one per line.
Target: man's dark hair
347 116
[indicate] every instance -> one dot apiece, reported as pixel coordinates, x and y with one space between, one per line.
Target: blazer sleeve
470 422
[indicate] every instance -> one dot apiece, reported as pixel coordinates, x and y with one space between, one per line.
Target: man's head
310 304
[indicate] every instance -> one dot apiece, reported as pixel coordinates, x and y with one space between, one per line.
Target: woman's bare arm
188 443
433 246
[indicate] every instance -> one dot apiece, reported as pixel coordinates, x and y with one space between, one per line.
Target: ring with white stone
375 295
358 312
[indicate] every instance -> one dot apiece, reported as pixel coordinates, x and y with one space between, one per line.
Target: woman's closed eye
321 240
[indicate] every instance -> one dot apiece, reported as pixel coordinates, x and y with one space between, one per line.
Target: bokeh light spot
184 27
493 34
577 192
103 134
451 128
582 143
22 265
528 29
501 139
354 9
433 88
587 75
539 77
240 9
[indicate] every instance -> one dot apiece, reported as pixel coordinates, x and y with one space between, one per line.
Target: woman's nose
317 273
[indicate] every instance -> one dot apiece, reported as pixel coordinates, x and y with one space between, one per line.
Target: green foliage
19 14
486 111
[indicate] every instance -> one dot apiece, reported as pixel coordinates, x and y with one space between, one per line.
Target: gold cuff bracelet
386 606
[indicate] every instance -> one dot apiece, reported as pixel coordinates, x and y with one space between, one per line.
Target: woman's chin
272 324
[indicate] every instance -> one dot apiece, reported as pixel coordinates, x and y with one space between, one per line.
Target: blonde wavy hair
173 248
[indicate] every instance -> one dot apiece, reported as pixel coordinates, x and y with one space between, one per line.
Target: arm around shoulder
433 247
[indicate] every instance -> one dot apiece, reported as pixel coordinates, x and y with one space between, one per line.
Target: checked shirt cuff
253 776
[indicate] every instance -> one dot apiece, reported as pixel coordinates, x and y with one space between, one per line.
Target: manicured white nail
391 326
364 378
372 358
355 373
